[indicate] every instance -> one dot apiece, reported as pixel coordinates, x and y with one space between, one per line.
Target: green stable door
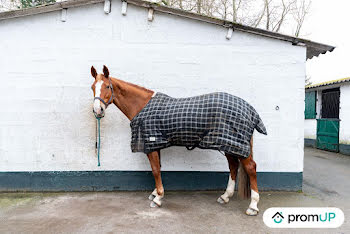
328 134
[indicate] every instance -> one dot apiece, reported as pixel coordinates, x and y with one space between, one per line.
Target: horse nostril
101 109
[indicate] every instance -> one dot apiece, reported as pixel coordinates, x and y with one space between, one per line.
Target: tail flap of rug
260 127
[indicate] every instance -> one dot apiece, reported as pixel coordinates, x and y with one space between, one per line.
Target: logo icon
278 217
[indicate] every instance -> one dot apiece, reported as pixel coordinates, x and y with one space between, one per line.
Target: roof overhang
313 48
328 84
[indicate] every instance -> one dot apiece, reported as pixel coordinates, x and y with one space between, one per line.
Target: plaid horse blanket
218 121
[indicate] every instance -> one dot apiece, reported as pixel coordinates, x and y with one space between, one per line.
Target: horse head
103 91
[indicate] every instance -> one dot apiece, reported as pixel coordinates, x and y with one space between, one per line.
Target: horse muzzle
99 112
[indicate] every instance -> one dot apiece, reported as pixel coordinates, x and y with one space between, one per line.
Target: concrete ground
326 183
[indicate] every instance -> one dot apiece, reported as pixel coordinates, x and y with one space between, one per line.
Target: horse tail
243 178
260 127
243 183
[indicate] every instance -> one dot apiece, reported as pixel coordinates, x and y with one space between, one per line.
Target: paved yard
326 183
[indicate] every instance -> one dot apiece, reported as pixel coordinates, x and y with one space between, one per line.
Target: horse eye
107 86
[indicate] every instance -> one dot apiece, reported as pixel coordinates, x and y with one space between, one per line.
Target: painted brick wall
46 101
310 129
344 114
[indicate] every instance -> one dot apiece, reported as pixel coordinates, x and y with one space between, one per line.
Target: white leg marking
253 207
97 103
225 198
153 195
157 201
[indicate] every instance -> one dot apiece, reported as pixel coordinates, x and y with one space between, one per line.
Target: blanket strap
191 147
197 144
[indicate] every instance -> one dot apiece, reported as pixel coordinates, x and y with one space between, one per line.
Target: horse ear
105 71
93 72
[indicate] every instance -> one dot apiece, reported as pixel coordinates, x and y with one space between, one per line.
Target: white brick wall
46 101
310 129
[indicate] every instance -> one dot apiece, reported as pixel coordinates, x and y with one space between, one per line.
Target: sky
329 23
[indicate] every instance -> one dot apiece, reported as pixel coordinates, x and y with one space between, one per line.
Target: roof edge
313 48
328 83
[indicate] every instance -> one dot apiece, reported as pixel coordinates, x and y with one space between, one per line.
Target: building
48 132
327 115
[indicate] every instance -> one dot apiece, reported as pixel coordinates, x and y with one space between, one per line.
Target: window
330 103
310 105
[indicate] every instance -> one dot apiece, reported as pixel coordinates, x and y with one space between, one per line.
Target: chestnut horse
131 99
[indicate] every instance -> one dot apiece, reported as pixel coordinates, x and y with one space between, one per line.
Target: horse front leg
233 164
158 193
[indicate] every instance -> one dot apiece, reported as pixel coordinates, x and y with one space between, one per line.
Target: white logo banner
303 217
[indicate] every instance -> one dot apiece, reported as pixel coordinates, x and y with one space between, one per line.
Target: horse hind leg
233 165
250 168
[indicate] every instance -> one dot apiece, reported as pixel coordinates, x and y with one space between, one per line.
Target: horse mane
135 86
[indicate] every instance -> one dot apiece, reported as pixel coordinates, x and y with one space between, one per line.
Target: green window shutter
310 105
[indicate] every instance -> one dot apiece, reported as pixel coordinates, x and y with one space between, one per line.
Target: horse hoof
151 197
251 212
221 201
153 205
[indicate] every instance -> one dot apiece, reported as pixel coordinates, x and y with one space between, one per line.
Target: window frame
310 105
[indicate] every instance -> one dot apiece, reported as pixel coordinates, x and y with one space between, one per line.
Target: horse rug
218 121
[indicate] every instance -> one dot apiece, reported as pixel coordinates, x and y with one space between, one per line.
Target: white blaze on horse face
97 103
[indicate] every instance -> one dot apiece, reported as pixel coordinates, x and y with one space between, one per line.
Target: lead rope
99 141
99 118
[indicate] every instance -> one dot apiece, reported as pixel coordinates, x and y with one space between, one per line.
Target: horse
132 99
